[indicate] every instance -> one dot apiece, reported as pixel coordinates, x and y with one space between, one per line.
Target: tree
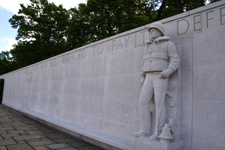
42 32
6 63
99 19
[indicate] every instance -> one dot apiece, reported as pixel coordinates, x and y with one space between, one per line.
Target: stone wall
94 90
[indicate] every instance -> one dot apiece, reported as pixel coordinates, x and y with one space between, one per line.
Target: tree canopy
42 31
46 30
6 63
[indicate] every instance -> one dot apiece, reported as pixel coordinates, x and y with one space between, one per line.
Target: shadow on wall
1 89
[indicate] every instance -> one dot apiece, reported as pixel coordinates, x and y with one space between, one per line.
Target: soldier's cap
158 26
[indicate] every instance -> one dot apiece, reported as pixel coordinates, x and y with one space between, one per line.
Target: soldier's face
154 33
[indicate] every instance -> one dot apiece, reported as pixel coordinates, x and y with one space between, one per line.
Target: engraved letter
113 44
140 38
197 23
84 53
119 44
208 18
94 50
182 26
80 54
222 16
126 39
73 56
100 49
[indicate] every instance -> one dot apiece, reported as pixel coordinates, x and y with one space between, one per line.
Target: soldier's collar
161 39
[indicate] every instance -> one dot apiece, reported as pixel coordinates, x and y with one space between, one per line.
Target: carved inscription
182 26
81 54
185 25
98 49
65 59
209 16
140 38
195 22
222 14
120 43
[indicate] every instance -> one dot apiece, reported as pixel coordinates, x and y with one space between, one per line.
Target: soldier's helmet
158 26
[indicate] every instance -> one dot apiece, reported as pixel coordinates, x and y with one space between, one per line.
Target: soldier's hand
165 74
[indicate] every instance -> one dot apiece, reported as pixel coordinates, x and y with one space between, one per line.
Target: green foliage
6 63
99 19
1 89
42 28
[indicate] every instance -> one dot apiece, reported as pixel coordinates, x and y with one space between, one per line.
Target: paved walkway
17 132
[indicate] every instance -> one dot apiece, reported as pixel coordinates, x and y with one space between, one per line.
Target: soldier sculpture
159 62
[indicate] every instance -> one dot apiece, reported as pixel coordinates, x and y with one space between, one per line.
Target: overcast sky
10 7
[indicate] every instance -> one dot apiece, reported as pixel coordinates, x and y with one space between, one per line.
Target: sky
10 7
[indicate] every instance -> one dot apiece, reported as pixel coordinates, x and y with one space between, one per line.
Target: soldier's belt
156 56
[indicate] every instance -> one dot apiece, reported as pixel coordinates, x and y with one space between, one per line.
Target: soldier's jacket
160 55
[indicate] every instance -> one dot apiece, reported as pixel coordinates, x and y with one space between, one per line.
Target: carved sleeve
173 56
143 74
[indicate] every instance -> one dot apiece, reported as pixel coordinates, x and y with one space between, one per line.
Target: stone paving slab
7 142
27 137
59 146
41 148
24 146
3 148
38 143
18 132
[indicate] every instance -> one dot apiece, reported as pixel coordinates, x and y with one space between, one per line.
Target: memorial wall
94 90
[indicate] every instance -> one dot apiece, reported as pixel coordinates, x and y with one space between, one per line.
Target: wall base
144 143
103 140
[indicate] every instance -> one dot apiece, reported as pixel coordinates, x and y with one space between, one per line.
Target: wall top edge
194 11
144 27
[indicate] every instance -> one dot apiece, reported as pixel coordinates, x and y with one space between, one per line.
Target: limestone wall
94 90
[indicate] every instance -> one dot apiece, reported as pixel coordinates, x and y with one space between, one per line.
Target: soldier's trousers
155 86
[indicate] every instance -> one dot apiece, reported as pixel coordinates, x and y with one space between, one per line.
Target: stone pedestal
144 143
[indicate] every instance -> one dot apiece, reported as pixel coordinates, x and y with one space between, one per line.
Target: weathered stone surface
3 132
20 147
36 139
3 148
7 142
41 148
34 132
18 131
21 142
4 129
71 149
80 144
59 146
27 137
38 143
94 90
10 135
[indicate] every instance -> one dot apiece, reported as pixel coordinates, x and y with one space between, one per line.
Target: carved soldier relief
160 60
